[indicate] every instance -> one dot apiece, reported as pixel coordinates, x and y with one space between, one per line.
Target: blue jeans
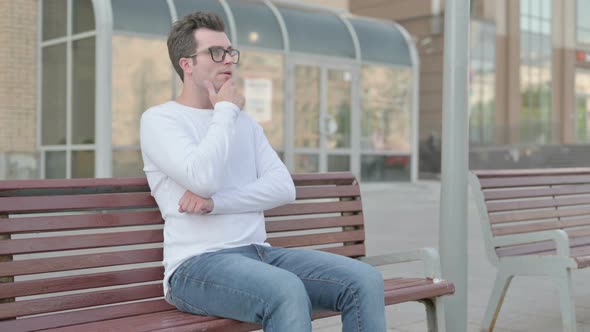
280 287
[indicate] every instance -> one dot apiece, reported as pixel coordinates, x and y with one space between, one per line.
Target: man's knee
289 294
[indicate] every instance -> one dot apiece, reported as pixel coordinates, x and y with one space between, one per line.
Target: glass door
322 118
582 105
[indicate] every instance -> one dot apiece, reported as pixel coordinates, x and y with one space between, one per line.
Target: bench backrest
66 243
523 201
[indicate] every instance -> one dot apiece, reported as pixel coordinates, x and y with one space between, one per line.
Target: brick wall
18 37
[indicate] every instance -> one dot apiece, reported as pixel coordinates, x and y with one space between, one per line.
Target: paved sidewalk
405 216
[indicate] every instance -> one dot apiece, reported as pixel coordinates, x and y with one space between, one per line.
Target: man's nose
227 60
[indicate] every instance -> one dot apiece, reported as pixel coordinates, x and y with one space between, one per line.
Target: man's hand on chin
191 203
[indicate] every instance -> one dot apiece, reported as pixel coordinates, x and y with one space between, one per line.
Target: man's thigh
325 276
231 283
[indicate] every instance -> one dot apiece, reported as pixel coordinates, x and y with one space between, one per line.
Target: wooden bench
85 254
534 222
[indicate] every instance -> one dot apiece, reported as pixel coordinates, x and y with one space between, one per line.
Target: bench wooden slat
418 292
523 181
536 192
353 250
317 239
85 316
540 226
75 202
539 247
72 183
274 226
314 179
66 302
537 215
81 221
86 261
314 208
84 281
396 291
537 203
330 192
58 243
530 172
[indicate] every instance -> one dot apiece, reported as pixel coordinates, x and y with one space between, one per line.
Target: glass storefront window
380 168
385 109
380 42
83 15
53 98
535 71
317 33
583 21
264 31
307 106
55 18
262 82
127 163
337 122
307 163
82 164
83 120
55 164
142 78
186 7
152 19
482 119
583 106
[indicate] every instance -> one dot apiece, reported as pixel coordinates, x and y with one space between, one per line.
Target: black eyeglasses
218 54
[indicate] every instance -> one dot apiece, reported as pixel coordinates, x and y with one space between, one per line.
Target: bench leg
435 315
566 299
495 303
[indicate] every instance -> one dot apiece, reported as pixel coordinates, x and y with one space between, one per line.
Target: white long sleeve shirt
222 154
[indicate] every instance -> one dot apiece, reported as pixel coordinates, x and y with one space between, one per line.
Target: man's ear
185 65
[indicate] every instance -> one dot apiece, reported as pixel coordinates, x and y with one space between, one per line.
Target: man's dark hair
181 40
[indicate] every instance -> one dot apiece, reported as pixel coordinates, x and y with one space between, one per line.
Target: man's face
204 68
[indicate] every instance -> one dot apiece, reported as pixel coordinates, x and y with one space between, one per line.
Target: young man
213 173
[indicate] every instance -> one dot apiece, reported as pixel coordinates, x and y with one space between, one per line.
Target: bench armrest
559 236
429 256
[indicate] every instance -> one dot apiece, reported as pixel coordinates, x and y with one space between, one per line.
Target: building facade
529 79
333 91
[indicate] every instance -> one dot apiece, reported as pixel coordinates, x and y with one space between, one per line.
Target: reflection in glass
261 79
317 33
381 42
54 18
337 122
583 21
82 164
535 72
127 163
83 91
385 108
338 163
583 106
142 78
186 7
55 164
257 25
482 119
378 168
307 106
83 16
153 18
53 98
307 163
